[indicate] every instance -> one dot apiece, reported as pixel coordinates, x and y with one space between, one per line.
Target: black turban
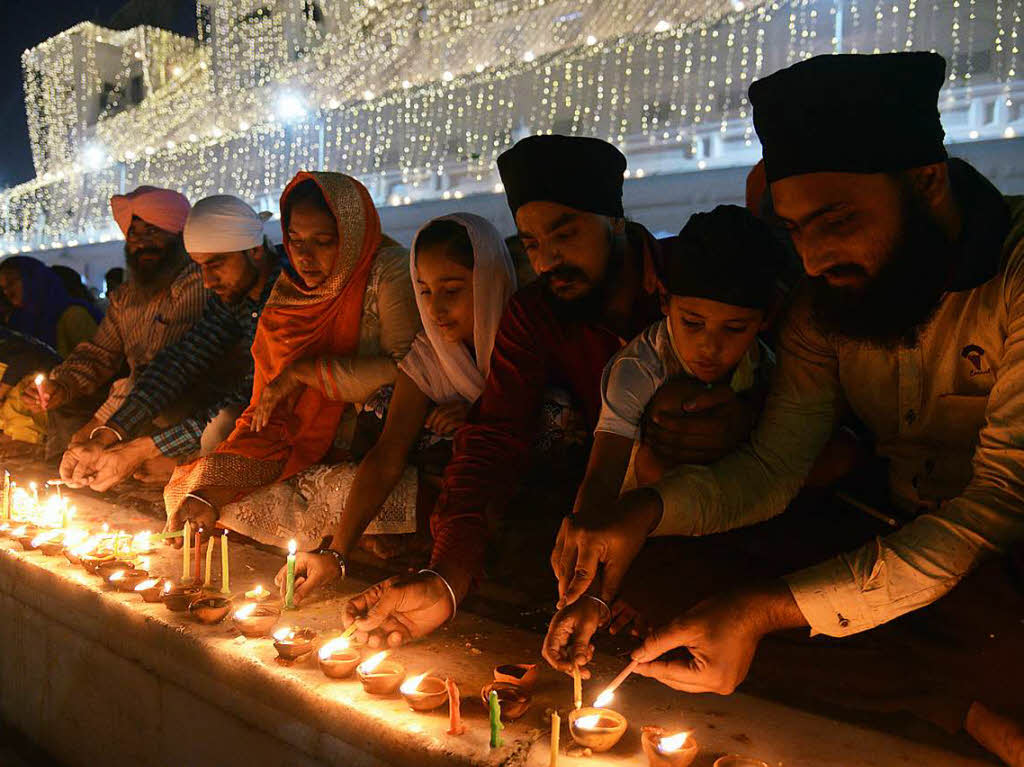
850 113
582 173
727 255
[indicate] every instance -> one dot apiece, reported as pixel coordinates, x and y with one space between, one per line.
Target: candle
494 710
67 513
209 562
455 726
199 550
225 582
577 687
289 590
40 379
35 494
556 727
606 697
186 536
7 495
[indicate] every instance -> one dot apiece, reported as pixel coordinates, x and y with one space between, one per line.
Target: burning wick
245 610
257 593
43 399
333 647
588 722
147 584
412 685
167 587
672 742
603 699
370 664
116 576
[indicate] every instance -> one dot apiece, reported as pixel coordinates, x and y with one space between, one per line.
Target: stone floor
94 676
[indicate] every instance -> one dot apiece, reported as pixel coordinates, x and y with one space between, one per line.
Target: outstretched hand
312 571
400 609
274 393
567 644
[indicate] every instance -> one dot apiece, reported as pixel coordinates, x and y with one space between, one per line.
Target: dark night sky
25 23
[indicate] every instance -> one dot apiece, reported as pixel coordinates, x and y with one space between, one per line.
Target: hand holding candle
577 687
44 398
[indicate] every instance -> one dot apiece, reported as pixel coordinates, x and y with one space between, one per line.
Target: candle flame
141 542
40 378
588 722
167 587
144 563
18 532
292 546
245 610
147 584
604 699
370 665
672 742
46 537
284 634
332 647
105 528
117 575
256 593
411 685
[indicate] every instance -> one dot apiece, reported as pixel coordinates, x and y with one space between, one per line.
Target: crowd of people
688 430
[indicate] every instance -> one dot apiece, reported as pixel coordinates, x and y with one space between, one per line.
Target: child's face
711 337
446 289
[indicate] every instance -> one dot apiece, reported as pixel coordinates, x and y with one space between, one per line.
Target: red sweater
534 349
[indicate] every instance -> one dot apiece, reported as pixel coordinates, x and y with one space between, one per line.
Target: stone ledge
97 677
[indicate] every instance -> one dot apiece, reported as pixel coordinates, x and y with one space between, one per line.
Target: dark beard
158 274
896 305
590 307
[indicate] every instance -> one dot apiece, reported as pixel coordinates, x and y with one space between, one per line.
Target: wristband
199 498
451 591
607 609
339 558
108 428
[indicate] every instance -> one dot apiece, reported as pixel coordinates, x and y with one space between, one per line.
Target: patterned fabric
221 330
136 327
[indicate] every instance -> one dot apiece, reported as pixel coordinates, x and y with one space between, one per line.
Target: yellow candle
225 587
556 726
209 562
577 687
6 510
186 533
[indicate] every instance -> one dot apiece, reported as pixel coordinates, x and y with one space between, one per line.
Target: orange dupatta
297 323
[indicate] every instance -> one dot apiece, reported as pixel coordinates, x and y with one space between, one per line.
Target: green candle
185 531
494 708
209 562
289 589
225 587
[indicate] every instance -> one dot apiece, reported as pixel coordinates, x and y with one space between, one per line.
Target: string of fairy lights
417 98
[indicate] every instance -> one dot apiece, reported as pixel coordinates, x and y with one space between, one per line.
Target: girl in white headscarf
463 276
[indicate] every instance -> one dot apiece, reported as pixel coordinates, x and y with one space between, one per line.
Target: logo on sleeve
975 355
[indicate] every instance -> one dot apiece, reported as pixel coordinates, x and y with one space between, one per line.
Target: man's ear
618 226
931 183
665 299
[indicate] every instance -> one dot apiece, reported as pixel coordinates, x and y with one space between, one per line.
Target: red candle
455 726
199 548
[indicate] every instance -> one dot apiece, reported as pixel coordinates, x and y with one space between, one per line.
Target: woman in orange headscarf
330 335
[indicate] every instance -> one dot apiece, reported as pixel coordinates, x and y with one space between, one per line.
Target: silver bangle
608 610
108 428
199 498
339 558
451 591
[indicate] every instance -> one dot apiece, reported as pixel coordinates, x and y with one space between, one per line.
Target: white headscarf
223 224
446 371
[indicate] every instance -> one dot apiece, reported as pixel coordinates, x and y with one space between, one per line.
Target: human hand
115 464
78 464
625 616
400 609
200 515
54 395
447 418
608 538
312 571
275 392
567 644
687 424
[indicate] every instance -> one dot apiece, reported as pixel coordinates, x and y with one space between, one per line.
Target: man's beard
155 274
892 309
589 307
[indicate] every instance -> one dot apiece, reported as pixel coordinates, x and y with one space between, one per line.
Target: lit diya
210 610
255 620
48 542
105 569
291 644
127 580
664 750
178 596
338 659
258 594
598 729
25 534
513 699
151 589
380 676
424 693
522 674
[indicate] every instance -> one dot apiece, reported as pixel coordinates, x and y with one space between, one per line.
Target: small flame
20 531
144 564
604 699
332 647
370 665
39 379
46 537
245 610
284 634
257 593
74 538
117 575
588 722
147 584
141 542
291 547
672 742
105 528
411 685
167 587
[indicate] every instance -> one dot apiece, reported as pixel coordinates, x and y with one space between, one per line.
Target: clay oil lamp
597 728
92 560
291 644
48 543
663 750
735 760
338 659
5 529
513 699
127 580
178 596
255 620
424 693
380 676
210 610
258 594
151 589
105 569
25 534
522 674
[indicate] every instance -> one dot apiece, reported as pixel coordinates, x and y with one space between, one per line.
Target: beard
892 309
590 306
155 272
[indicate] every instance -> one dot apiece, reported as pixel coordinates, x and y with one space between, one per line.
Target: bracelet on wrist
607 613
339 558
100 428
451 591
200 498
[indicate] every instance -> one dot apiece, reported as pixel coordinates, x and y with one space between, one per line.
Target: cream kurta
949 413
